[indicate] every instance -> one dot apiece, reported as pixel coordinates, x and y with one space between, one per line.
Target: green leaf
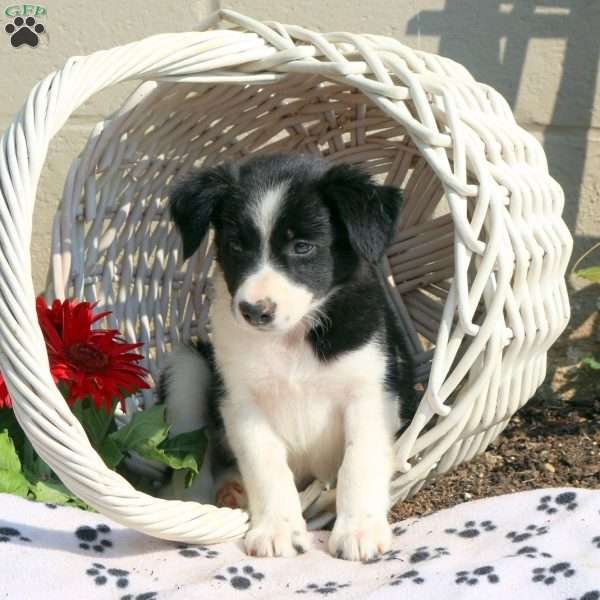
51 491
189 478
190 448
13 482
32 479
185 451
34 466
147 433
591 362
111 453
147 428
9 459
9 422
96 421
191 442
55 492
98 424
591 274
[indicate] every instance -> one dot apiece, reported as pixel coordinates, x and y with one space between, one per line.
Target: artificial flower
94 363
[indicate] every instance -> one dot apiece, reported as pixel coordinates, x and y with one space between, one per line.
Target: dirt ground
553 441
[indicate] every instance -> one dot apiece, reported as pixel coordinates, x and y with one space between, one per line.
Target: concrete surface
542 55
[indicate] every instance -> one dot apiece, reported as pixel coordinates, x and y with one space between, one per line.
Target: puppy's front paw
277 536
360 538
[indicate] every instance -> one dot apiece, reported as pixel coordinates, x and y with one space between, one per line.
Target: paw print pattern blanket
537 544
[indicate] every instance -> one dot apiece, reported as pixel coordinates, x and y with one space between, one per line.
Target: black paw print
596 541
331 587
10 534
593 595
531 552
530 531
241 580
548 575
389 555
424 553
564 500
398 530
99 572
144 596
89 537
195 551
411 575
471 529
474 577
24 32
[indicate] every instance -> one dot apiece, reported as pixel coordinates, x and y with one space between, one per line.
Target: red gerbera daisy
94 363
5 400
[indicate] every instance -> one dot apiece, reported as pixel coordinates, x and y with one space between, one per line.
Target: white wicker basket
476 268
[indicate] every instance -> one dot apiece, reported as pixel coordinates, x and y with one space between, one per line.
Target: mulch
553 441
550 442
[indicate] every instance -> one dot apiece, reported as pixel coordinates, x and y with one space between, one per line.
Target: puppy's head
288 231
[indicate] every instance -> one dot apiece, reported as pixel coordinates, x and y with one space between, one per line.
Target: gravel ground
547 444
553 441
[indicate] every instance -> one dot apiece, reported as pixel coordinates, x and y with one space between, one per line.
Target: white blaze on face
265 210
267 283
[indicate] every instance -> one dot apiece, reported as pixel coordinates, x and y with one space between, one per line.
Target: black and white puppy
310 374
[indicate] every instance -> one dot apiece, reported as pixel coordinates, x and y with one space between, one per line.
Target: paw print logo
548 575
424 553
477 575
389 555
593 595
10 534
596 541
471 529
94 538
196 551
331 587
241 580
530 552
101 575
551 505
411 575
530 531
24 31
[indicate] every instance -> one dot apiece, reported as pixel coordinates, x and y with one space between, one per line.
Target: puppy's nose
261 313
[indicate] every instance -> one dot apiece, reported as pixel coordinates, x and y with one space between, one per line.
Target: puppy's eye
301 247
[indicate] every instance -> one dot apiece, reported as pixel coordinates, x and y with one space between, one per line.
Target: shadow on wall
495 50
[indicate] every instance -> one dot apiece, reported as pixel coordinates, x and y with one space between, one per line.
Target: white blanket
538 544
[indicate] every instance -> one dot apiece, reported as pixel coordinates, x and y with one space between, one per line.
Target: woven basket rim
462 128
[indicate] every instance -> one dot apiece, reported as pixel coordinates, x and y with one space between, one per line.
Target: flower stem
109 422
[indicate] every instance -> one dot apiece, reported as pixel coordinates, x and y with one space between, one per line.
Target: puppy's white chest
302 398
278 370
304 401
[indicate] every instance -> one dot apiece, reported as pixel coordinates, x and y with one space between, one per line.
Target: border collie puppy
310 374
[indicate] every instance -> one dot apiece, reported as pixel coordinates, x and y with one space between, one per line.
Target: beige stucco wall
542 57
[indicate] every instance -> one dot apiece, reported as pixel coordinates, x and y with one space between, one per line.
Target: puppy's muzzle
260 314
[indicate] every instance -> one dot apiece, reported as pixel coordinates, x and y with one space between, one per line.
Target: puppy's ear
367 210
193 201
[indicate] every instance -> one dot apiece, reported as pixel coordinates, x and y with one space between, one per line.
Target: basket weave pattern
476 268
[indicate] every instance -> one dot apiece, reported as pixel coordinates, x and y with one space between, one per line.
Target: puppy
310 374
